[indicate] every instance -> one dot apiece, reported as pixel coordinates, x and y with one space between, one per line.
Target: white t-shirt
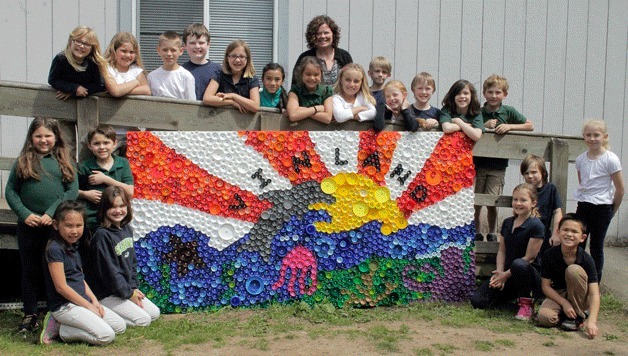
178 83
126 77
342 109
596 185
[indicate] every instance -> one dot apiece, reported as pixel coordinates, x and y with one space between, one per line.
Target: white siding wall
32 33
565 60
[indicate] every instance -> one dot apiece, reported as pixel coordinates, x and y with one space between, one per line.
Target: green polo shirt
475 121
120 171
308 99
43 196
504 115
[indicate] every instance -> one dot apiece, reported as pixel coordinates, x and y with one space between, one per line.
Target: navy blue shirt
554 266
203 74
517 241
242 87
380 99
548 201
58 251
64 77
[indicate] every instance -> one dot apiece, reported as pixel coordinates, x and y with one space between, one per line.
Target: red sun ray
162 174
446 171
375 154
291 154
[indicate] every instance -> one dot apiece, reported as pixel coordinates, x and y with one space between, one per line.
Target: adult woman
322 36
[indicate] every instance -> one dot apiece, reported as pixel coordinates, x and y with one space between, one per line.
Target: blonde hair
423 77
396 84
364 88
496 80
381 62
170 36
534 196
598 124
91 39
118 40
249 70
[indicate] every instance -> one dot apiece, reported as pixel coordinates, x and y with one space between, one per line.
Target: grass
385 330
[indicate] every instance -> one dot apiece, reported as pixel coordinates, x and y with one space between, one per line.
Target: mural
351 218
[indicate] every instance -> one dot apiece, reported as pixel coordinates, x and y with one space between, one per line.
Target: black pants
597 218
525 279
31 242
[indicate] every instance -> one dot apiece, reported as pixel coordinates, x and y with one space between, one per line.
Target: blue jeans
597 218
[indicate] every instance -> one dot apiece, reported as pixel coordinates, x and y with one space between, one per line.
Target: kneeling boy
569 281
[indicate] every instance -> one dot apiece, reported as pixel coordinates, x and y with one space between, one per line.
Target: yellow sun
358 201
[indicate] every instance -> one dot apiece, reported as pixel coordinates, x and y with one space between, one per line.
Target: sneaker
572 324
479 237
50 331
526 309
29 323
492 237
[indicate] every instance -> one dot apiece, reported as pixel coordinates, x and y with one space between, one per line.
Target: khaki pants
576 293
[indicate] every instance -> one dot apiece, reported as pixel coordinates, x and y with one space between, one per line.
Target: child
40 180
196 39
102 170
423 86
600 190
353 100
490 172
461 110
77 70
308 97
520 240
397 108
273 95
115 263
236 84
171 80
379 70
569 281
75 313
549 205
125 71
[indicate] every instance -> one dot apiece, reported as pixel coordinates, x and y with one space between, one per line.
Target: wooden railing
28 100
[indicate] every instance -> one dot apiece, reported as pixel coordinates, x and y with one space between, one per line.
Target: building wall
565 59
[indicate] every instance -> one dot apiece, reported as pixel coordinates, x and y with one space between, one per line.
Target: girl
308 97
353 99
397 108
549 204
600 189
423 86
77 70
461 110
236 84
40 180
125 71
519 244
273 95
115 264
75 313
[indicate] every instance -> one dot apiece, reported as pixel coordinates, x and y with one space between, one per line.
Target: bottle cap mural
253 217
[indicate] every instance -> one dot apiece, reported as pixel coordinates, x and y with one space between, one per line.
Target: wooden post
559 165
87 117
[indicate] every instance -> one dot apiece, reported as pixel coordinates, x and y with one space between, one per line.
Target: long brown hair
109 195
28 165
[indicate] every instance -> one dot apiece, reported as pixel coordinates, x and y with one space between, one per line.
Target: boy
171 80
569 281
101 170
423 86
379 70
196 38
490 172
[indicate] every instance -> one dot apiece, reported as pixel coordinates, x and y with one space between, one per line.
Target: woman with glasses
236 84
77 71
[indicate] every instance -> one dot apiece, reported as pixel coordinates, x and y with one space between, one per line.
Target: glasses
233 57
78 43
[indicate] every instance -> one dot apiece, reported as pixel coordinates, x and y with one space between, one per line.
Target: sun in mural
251 217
